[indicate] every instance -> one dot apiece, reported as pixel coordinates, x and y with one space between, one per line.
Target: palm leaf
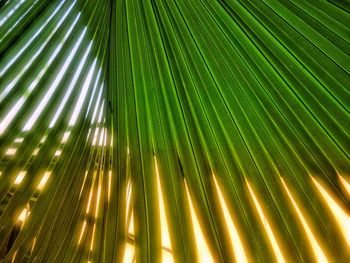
174 131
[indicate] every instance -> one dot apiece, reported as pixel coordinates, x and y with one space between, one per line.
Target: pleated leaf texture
174 131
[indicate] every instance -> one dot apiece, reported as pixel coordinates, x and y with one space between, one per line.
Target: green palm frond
174 131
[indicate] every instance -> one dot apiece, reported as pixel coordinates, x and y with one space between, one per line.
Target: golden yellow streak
14 257
82 232
342 218
102 137
345 184
129 250
163 221
98 197
65 137
11 151
203 252
319 254
129 253
82 186
24 215
131 229
95 136
20 177
33 245
237 246
167 257
89 201
19 140
43 180
36 151
93 237
91 192
128 198
265 223
98 200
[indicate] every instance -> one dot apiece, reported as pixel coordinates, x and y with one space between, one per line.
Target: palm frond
174 131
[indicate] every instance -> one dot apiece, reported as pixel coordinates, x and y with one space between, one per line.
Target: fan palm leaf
174 131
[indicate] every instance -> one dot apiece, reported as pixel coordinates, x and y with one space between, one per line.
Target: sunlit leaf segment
174 131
